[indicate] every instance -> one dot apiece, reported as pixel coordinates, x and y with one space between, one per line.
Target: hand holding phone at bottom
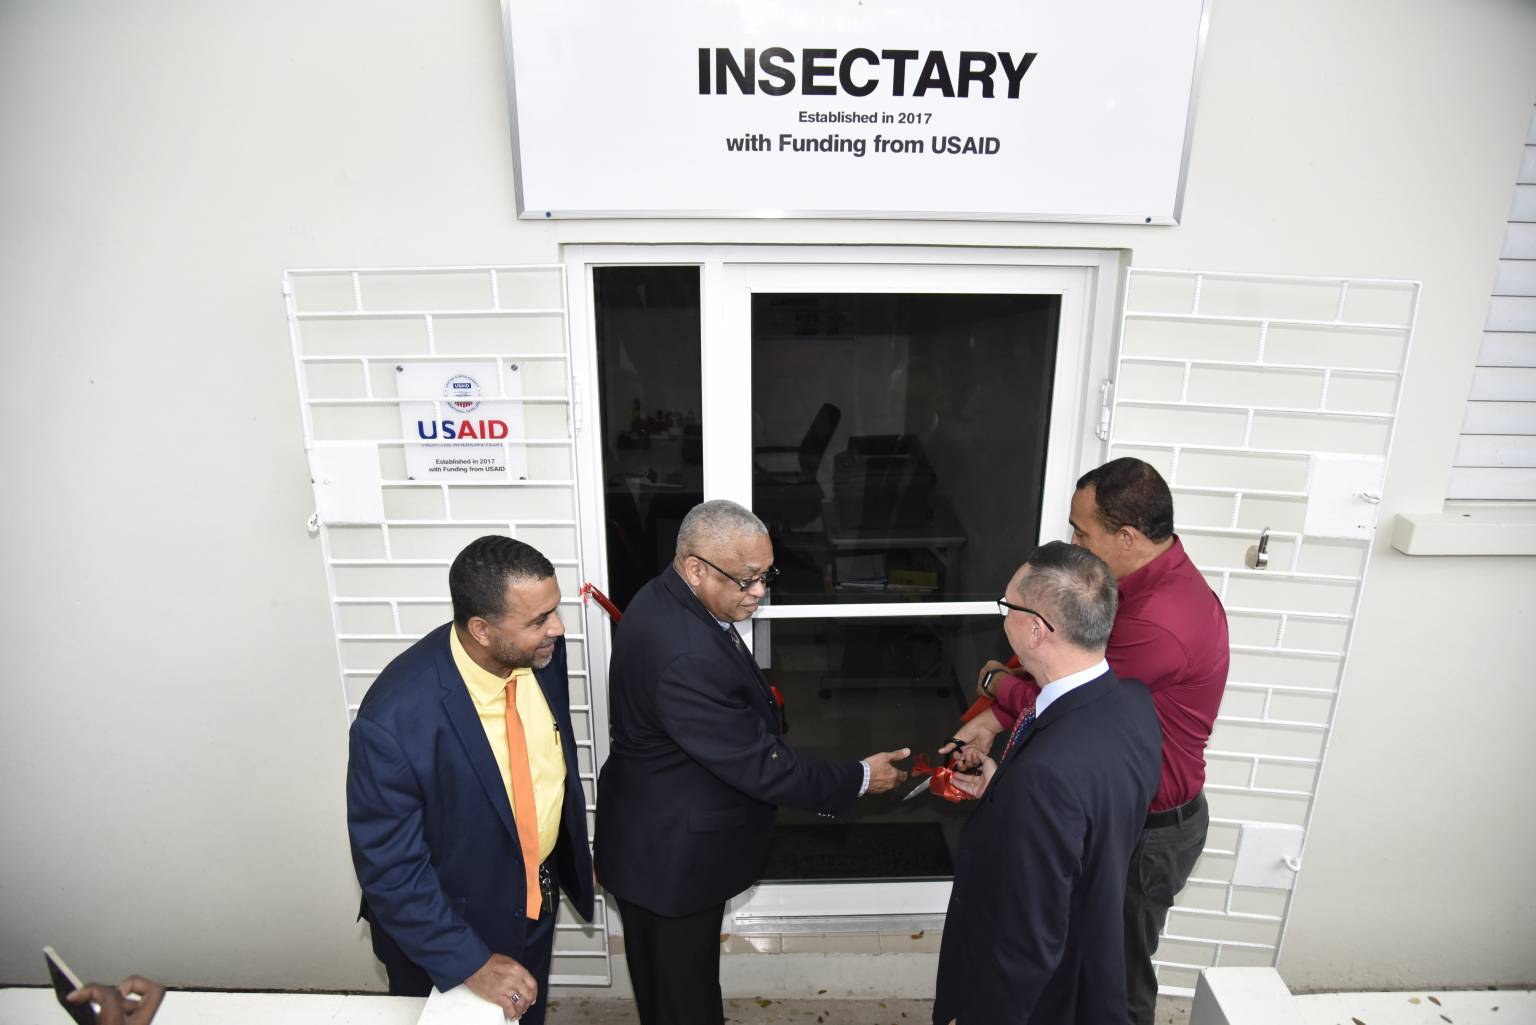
133 1001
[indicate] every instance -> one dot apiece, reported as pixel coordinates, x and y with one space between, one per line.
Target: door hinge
576 410
1102 431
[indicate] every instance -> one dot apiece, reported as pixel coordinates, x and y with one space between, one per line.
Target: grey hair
716 523
1075 589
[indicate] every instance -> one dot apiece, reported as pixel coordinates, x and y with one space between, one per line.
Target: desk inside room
894 563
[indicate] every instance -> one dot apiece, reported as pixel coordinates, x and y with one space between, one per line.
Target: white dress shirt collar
1056 688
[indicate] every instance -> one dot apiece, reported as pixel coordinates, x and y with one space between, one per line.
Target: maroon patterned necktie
1018 731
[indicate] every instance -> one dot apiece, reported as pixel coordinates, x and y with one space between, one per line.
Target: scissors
926 780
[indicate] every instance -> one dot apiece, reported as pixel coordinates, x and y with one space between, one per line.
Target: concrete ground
763 1011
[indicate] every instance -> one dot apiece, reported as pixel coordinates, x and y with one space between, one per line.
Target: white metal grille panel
352 331
1237 387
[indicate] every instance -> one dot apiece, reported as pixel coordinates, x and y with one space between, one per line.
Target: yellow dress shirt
546 762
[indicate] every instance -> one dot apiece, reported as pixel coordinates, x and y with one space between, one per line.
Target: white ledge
1469 529
1258 996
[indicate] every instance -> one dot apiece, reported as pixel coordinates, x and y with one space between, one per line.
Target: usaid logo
463 393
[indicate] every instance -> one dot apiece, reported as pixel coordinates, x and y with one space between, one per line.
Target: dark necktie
1018 731
757 673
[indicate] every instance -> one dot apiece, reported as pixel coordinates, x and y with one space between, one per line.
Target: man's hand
978 735
882 774
133 1001
992 665
975 785
506 984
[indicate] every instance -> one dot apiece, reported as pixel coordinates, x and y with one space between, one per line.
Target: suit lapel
739 655
1071 701
460 710
764 688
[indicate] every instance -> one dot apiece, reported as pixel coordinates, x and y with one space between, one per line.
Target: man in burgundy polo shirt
1170 633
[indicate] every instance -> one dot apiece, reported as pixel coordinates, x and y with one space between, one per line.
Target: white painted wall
172 750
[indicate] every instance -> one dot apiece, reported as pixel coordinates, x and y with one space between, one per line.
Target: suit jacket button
774 755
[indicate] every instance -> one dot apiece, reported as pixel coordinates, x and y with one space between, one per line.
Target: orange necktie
524 811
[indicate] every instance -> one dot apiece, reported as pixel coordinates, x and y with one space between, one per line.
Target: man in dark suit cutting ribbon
1034 931
698 763
1171 634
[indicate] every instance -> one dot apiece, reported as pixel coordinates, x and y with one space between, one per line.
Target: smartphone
66 982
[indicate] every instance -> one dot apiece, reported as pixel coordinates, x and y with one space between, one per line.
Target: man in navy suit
464 807
698 764
1034 931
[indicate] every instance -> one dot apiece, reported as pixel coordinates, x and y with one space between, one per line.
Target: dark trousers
1160 866
407 979
674 965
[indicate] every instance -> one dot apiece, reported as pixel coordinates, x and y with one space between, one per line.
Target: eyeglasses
1003 605
766 578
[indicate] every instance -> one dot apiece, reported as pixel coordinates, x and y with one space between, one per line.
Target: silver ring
517 998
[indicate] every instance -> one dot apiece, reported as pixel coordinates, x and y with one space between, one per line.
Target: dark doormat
859 850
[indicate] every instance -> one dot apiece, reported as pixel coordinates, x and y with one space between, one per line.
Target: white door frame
1090 283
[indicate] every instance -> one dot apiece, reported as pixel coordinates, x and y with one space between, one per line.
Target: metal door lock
1258 555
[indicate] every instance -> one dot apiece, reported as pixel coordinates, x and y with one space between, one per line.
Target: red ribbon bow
940 780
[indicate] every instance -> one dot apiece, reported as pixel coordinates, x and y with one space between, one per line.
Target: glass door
646 337
899 447
898 444
909 424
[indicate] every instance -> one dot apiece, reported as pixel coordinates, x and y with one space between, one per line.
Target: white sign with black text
1011 109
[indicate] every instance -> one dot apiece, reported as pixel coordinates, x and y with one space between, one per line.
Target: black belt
1175 816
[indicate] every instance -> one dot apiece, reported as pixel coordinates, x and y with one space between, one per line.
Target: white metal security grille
1269 405
387 540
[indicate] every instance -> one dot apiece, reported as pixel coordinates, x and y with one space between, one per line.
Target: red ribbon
602 599
940 780
978 706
